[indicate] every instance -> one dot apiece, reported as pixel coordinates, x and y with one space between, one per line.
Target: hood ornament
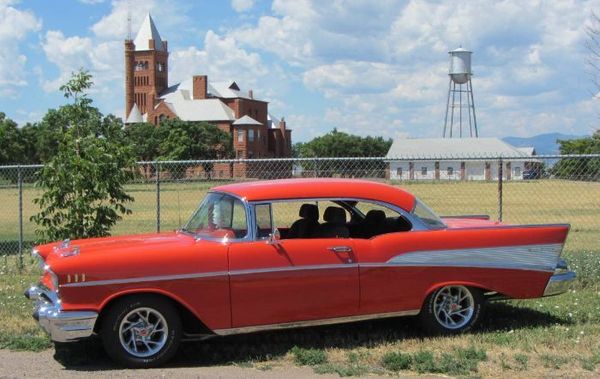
65 249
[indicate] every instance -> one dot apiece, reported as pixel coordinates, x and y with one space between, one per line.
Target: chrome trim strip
474 216
209 274
300 324
542 257
146 279
293 268
499 267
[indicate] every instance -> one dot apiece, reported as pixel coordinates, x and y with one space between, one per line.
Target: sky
363 67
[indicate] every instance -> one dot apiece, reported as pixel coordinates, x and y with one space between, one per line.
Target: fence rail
539 189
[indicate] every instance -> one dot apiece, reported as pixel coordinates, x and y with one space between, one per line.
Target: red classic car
290 253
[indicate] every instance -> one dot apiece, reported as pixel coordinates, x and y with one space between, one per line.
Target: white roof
181 103
527 150
272 121
449 148
246 120
226 90
147 32
134 116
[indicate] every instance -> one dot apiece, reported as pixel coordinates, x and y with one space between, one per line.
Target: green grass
524 202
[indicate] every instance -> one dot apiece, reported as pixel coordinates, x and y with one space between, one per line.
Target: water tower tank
460 65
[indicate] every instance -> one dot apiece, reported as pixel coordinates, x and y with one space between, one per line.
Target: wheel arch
466 283
190 320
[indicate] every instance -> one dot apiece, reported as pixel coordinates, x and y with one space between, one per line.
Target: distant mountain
543 143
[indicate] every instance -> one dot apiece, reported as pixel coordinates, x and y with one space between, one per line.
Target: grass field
558 336
524 202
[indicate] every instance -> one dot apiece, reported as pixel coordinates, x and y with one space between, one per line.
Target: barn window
423 171
240 136
251 135
399 172
450 171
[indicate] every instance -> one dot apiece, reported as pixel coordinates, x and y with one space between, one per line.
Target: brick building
149 98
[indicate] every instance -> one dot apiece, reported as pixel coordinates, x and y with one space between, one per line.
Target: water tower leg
447 106
452 111
473 107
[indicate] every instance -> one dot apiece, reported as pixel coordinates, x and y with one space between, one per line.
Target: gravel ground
24 364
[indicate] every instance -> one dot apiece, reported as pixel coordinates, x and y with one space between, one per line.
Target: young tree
83 182
579 168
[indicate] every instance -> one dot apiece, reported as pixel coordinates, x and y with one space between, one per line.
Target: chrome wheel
143 332
453 306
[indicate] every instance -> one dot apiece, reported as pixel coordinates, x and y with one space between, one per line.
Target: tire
458 309
141 331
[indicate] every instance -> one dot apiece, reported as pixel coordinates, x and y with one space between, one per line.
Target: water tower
460 106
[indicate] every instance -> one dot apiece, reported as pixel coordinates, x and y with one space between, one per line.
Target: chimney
199 87
251 94
151 44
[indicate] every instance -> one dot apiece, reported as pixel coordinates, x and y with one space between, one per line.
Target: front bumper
62 326
561 281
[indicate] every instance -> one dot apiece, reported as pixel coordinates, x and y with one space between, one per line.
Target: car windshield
428 216
219 216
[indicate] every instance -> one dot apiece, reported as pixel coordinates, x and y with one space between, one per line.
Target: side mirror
274 238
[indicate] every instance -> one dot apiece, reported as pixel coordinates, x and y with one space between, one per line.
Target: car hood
113 245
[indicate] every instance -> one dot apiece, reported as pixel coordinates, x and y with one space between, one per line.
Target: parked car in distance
289 253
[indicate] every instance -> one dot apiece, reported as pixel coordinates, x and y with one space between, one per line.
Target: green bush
396 361
308 357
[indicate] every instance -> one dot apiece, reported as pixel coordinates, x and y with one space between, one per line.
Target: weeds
308 357
395 361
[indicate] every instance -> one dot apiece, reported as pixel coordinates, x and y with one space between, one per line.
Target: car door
291 280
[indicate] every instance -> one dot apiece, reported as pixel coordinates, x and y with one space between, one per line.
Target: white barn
456 159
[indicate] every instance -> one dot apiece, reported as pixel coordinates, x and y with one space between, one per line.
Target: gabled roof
246 120
448 148
134 115
226 90
272 121
189 109
527 150
147 32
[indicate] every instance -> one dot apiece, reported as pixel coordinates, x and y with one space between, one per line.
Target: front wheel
452 309
141 332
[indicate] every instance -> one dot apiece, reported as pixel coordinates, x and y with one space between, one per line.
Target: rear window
428 216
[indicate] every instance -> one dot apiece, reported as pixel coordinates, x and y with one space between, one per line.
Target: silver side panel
525 257
300 324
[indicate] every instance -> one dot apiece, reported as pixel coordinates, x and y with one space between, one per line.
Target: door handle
340 249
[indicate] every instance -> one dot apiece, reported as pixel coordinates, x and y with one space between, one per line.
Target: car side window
264 222
377 220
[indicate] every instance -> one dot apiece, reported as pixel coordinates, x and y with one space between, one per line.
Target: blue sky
365 67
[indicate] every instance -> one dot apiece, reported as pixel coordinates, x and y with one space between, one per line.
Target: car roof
285 189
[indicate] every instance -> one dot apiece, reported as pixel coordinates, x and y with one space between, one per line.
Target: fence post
20 185
500 170
157 167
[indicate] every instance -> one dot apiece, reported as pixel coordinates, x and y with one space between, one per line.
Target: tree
340 144
185 140
579 168
12 150
83 182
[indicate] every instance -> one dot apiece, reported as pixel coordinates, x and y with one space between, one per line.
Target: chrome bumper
62 326
561 281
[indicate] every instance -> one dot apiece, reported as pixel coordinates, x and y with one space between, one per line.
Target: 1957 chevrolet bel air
290 253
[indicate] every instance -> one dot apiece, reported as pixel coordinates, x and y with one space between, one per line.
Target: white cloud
242 5
390 58
15 26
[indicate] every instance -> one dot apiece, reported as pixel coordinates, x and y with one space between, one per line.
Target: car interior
344 220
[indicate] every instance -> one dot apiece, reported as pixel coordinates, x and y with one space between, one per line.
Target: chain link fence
533 190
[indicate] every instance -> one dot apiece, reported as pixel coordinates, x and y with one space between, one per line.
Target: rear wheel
141 332
452 309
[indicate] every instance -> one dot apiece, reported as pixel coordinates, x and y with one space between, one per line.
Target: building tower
146 68
460 98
